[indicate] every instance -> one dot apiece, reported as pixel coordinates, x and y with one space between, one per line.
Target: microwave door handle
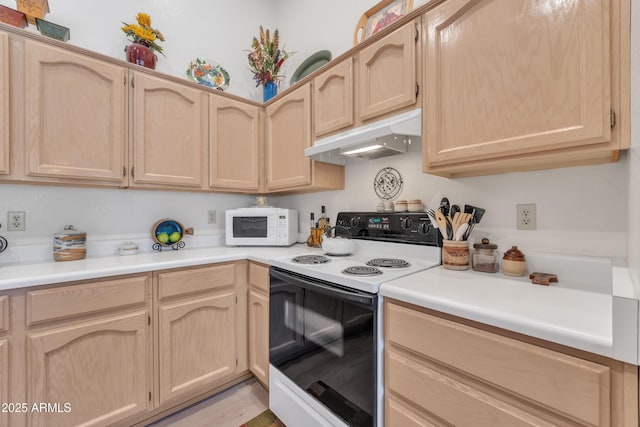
345 295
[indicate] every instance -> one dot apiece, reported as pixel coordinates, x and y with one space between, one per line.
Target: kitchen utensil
454 210
478 213
432 217
338 245
461 232
70 244
444 206
3 243
444 225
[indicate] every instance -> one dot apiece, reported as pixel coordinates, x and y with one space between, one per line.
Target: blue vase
270 90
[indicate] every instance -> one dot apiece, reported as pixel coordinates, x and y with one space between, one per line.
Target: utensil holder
455 254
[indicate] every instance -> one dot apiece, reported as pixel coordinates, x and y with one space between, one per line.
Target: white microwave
261 227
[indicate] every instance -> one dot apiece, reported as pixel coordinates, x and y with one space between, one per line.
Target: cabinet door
170 125
100 368
76 115
288 131
387 73
4 103
259 335
197 344
234 144
506 77
4 379
333 98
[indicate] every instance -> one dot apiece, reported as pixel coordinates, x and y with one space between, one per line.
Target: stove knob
355 221
406 223
423 228
343 223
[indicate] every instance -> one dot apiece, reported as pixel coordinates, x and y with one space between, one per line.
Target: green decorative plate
208 73
311 64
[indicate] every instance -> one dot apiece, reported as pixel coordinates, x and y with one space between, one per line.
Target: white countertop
26 275
604 322
575 318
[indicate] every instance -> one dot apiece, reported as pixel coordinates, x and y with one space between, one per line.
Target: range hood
385 137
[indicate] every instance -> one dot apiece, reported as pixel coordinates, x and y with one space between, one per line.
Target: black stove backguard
405 227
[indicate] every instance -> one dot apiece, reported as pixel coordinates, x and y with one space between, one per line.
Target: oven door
323 338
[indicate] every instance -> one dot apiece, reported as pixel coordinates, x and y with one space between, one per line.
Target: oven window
325 345
250 226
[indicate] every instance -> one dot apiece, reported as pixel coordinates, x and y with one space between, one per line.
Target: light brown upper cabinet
170 134
387 73
333 98
235 132
288 133
4 103
75 116
518 84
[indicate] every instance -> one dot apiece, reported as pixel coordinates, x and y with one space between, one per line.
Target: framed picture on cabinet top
380 16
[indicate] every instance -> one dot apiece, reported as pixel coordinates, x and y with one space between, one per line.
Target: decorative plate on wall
169 233
208 73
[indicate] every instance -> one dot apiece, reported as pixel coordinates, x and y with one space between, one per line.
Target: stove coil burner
361 270
311 259
388 263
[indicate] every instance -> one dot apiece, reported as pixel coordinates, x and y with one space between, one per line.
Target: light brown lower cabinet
201 328
441 370
259 322
125 350
88 352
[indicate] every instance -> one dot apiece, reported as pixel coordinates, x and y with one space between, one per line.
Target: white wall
580 210
634 154
217 29
109 216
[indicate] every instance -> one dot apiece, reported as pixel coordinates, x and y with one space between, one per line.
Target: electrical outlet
526 216
211 217
16 221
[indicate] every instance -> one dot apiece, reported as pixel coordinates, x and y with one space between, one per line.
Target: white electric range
325 322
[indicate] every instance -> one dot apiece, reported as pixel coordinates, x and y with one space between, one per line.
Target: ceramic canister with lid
70 244
513 262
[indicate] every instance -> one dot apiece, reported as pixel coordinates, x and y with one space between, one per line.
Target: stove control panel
409 227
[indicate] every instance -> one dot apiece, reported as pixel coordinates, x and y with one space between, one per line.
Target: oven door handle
365 299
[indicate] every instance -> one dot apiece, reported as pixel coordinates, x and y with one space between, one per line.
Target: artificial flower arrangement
267 57
142 32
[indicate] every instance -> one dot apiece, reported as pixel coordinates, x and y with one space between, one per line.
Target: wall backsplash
109 216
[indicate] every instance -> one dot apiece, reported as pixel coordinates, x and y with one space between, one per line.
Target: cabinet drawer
574 387
4 313
449 399
259 276
69 301
188 281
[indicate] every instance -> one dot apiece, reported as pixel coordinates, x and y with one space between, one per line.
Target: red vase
139 53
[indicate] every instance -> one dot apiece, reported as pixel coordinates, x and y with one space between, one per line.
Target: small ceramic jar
70 244
388 206
415 205
513 262
401 206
